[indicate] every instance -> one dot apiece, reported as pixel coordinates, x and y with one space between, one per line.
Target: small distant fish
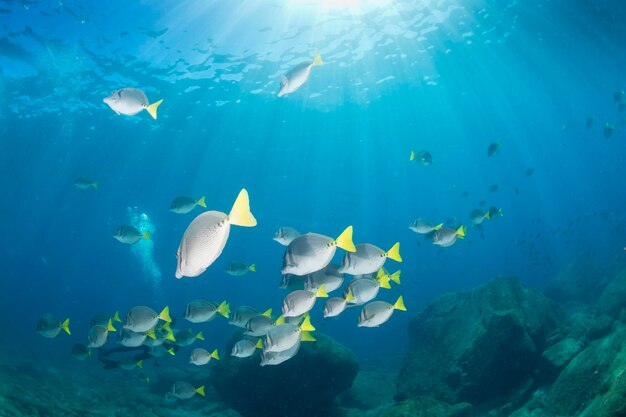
50 327
445 237
494 188
103 319
299 302
205 237
285 235
493 148
530 172
465 194
245 348
336 305
378 312
130 235
423 227
494 212
590 122
239 269
422 157
477 216
297 76
130 101
202 356
81 352
200 311
142 319
161 351
183 205
368 259
608 130
85 183
618 96
187 337
184 390
128 364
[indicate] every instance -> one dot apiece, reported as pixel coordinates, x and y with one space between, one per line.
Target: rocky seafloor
501 349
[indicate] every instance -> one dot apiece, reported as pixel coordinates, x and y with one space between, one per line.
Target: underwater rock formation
479 345
426 407
302 386
613 299
581 281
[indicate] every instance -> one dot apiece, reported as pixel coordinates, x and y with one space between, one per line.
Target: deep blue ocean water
447 76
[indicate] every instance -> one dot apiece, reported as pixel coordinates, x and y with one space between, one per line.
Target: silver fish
276 358
329 277
50 327
200 311
184 390
447 237
130 235
242 315
142 319
244 348
259 325
423 227
202 356
378 312
297 76
239 269
183 205
130 101
285 235
368 259
300 302
284 336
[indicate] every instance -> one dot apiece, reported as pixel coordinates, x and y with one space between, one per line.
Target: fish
187 337
242 315
366 289
423 227
141 318
184 390
50 327
98 335
130 101
493 148
284 235
276 358
336 305
378 312
200 311
129 338
284 336
161 333
529 172
81 352
128 364
130 234
245 348
205 238
422 157
169 398
202 356
85 183
312 252
298 75
447 237
618 96
494 188
299 302
477 216
294 282
183 205
608 130
368 259
259 325
329 277
160 351
589 122
239 269
465 194
494 212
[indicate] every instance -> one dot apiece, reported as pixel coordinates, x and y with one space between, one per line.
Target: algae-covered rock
558 355
581 281
426 407
302 386
613 299
478 345
370 389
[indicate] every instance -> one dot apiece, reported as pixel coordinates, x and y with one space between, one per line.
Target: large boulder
480 345
613 299
581 281
302 386
425 407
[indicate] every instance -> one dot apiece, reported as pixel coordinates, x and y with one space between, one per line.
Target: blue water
447 76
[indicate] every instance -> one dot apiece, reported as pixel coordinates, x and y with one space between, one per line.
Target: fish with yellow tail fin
200 311
494 212
201 357
184 390
297 76
246 348
312 252
81 352
130 101
187 337
241 316
329 277
422 157
50 327
206 236
300 302
276 358
239 269
336 305
129 364
378 312
143 319
98 335
284 336
447 237
130 235
368 259
183 205
366 289
85 183
259 325
424 227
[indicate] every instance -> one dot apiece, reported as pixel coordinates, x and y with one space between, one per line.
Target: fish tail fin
66 326
317 60
146 235
321 292
412 157
201 202
200 336
152 108
383 279
259 344
307 337
252 268
171 351
240 214
200 390
349 297
140 364
116 317
344 241
167 327
224 309
399 305
215 355
439 226
280 320
394 252
95 185
170 337
110 326
268 313
306 325
500 213
461 232
165 315
487 216
395 277
89 353
151 334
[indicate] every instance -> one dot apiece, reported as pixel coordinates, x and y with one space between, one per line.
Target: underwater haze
520 105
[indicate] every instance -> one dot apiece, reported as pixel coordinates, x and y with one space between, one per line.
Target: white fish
98 335
378 312
200 311
184 390
207 234
276 358
202 357
244 348
183 205
447 237
311 252
129 338
329 277
285 235
297 76
242 315
368 259
292 282
142 319
259 325
284 336
130 101
49 327
336 305
366 289
299 302
187 337
130 235
423 227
